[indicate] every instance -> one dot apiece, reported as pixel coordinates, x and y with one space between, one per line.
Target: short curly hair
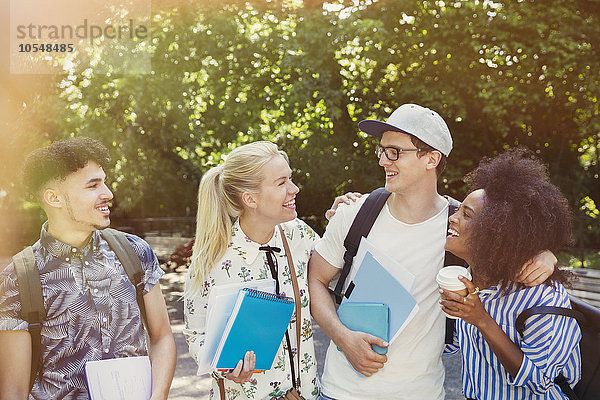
523 215
60 159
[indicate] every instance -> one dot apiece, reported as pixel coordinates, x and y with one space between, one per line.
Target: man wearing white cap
411 228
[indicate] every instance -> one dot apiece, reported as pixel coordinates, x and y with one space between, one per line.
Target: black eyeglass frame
379 150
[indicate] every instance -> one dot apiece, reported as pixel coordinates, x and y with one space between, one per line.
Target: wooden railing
586 285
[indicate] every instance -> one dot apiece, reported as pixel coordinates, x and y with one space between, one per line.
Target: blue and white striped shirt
550 344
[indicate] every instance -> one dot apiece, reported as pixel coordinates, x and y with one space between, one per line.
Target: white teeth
289 203
453 232
388 173
103 208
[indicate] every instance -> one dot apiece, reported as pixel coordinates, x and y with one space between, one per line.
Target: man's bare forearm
323 310
15 364
355 345
163 356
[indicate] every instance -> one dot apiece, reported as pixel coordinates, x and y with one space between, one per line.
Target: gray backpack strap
32 305
130 261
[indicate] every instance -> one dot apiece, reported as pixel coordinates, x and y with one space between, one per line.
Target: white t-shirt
414 368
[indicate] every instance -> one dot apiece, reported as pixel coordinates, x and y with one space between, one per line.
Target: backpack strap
564 386
560 379
451 259
32 305
130 261
567 312
361 226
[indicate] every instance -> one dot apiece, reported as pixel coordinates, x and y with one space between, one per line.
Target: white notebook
128 378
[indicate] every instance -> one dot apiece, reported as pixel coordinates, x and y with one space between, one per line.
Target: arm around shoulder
163 353
537 270
15 364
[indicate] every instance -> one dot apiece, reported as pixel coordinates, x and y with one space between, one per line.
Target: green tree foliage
302 74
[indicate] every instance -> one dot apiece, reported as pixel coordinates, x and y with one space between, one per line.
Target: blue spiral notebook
258 322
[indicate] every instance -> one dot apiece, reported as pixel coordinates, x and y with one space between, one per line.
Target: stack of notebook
380 302
221 300
257 323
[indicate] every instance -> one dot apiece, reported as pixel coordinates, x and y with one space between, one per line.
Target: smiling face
459 232
409 170
82 199
275 202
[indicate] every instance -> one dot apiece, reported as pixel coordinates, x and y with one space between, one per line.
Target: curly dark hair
59 159
523 215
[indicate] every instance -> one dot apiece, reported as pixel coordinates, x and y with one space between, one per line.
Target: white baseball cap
413 119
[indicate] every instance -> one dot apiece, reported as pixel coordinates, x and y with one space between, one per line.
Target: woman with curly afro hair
512 213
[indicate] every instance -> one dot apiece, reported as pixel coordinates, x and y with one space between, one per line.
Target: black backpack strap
451 259
32 305
564 386
361 226
567 312
130 261
560 380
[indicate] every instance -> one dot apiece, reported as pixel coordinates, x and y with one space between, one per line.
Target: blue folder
374 284
258 322
371 318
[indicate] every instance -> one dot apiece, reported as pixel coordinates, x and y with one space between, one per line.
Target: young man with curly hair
513 205
411 228
89 301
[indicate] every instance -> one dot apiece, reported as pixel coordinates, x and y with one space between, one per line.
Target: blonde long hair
220 203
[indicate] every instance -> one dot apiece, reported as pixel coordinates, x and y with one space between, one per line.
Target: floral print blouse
243 261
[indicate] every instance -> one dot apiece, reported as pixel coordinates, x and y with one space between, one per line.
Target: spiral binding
268 296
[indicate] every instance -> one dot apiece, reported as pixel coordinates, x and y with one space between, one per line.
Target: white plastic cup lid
448 277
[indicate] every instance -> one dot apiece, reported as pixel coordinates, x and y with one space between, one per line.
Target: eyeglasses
391 153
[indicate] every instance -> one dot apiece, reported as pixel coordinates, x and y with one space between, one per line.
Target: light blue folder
374 284
371 318
258 322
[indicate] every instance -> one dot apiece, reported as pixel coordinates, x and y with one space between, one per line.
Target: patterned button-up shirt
91 310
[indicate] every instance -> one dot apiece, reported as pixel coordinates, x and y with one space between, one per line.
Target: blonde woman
240 204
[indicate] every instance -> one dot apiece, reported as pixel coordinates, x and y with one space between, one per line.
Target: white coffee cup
447 279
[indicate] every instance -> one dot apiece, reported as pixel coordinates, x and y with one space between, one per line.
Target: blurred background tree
303 73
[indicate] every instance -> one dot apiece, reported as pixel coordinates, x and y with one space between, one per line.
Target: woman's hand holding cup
468 308
447 280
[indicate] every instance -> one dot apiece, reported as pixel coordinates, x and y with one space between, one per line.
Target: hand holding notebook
373 282
371 318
